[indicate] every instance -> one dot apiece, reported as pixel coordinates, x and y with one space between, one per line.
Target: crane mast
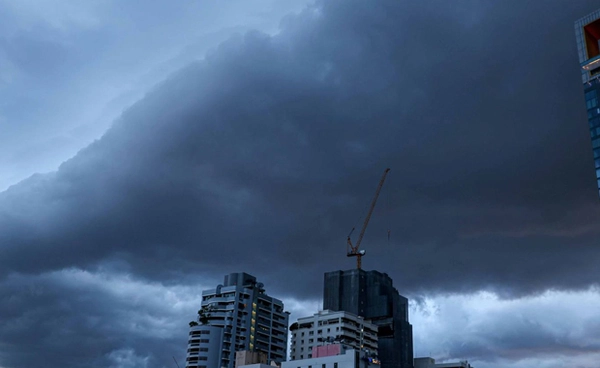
353 249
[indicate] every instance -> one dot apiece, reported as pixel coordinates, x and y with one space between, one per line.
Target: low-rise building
428 362
336 356
246 357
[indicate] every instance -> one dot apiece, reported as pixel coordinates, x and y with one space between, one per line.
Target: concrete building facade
328 326
587 32
371 295
247 357
236 316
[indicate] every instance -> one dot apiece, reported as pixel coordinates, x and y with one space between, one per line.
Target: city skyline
148 148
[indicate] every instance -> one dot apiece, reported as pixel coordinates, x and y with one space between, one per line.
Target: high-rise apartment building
326 327
587 32
236 316
371 295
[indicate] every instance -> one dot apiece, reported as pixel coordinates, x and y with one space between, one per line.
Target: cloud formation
261 157
492 332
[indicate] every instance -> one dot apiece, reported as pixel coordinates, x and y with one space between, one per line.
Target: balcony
591 64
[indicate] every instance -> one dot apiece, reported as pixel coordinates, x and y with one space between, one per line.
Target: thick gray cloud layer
262 157
67 70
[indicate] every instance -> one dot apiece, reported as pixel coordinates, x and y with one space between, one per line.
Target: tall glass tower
371 295
587 32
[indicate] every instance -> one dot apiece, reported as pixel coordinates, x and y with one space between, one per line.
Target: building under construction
371 295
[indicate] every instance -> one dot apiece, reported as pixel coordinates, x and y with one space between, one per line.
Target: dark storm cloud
67 70
78 319
269 149
261 158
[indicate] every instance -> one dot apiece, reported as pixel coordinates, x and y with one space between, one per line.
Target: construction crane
353 249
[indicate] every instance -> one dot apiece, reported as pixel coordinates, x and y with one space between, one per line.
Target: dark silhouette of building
371 294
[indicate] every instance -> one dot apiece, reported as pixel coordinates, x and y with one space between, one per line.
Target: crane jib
353 249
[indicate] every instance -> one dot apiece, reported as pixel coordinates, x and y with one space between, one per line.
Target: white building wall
351 359
356 332
204 347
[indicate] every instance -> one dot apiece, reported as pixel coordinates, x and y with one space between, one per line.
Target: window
591 94
311 333
205 332
320 331
323 365
329 330
202 358
335 365
205 341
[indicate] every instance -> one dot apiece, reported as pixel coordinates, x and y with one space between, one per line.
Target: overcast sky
149 148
